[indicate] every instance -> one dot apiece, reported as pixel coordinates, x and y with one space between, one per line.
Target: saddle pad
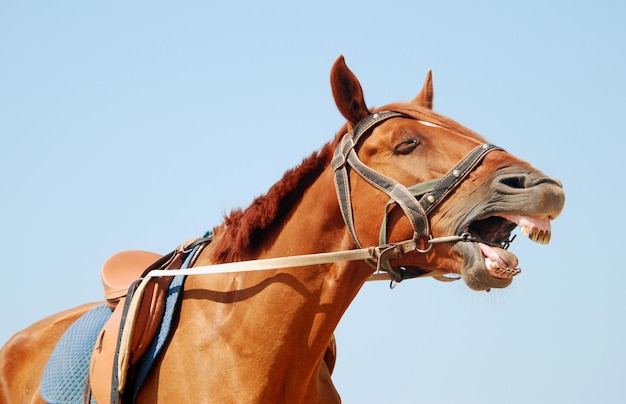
64 377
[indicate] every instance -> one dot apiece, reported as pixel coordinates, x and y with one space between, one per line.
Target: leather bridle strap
430 193
345 156
449 181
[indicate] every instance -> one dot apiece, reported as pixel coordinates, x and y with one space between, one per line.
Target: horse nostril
520 181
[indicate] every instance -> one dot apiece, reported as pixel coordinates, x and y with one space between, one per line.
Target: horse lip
473 270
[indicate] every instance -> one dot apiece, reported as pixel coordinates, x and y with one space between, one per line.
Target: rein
416 201
389 251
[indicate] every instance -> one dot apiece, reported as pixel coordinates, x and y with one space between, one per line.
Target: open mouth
493 235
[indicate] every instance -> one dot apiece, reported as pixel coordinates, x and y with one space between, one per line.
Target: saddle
122 269
138 305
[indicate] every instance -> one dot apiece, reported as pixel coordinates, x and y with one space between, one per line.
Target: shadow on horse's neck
246 293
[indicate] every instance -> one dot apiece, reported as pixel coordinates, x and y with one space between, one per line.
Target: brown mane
243 230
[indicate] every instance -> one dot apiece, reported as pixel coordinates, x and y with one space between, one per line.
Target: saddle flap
126 343
103 357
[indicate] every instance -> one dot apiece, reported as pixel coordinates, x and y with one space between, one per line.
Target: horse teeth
537 235
504 272
508 272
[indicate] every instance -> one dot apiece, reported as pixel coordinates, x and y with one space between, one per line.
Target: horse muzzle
530 201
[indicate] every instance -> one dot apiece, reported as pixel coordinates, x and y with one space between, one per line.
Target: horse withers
399 175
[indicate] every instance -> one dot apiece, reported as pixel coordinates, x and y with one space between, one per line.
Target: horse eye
406 146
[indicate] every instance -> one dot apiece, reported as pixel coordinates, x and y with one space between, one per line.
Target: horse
406 179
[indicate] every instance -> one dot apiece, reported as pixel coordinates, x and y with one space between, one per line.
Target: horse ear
425 97
347 92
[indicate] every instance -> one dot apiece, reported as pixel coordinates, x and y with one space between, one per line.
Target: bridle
416 201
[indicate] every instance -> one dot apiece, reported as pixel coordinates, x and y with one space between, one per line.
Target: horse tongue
500 256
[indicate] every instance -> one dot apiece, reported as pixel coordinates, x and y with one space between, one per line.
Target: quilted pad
65 374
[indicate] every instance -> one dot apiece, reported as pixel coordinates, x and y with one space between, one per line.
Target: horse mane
243 230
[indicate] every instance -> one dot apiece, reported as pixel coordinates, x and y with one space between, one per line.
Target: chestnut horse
264 336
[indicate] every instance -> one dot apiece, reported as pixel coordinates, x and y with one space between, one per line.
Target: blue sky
137 125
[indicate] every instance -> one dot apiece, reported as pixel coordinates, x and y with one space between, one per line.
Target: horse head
438 183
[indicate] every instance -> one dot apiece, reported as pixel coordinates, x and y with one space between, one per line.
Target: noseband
416 201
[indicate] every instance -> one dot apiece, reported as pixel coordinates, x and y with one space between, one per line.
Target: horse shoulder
24 356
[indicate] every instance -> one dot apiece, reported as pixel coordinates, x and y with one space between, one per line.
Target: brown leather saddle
138 305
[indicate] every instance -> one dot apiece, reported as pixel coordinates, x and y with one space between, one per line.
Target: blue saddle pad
64 377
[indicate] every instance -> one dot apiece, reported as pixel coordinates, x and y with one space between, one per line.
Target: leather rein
416 201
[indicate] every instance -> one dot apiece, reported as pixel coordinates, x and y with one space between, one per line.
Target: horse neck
291 313
314 225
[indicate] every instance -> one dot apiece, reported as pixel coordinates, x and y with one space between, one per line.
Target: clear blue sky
136 125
